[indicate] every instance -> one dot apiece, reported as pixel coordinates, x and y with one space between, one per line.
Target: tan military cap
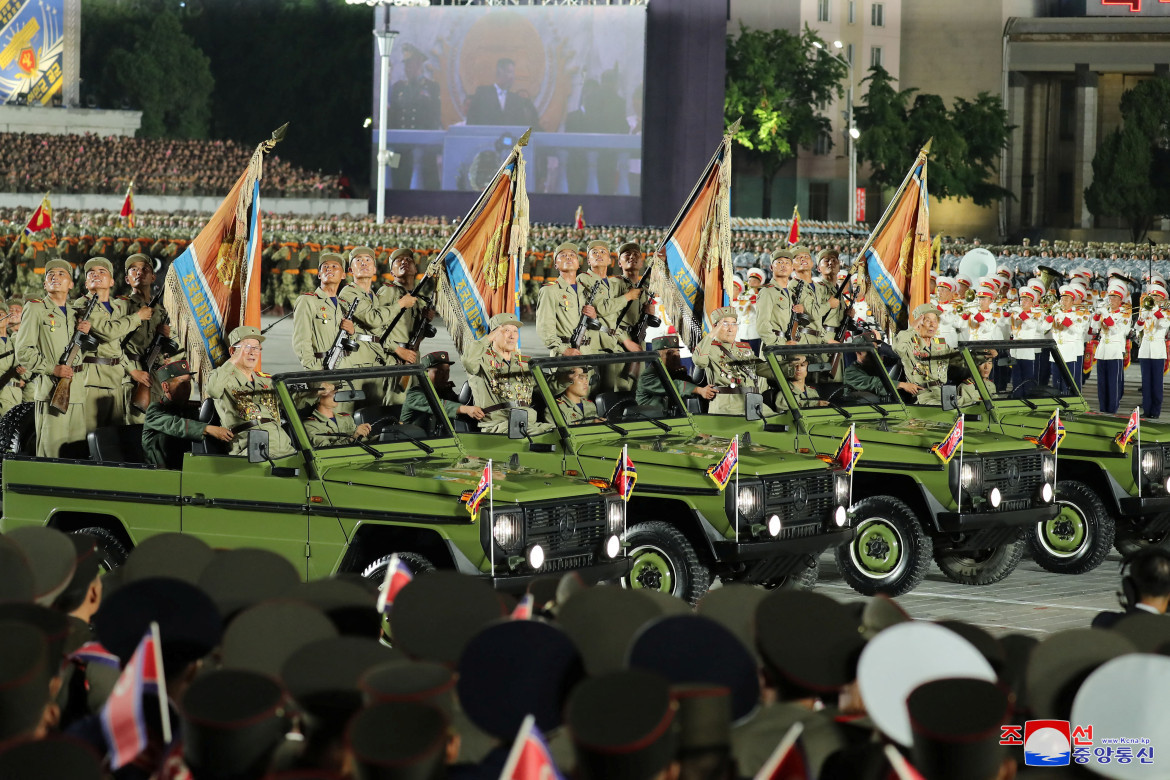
138 257
502 319
96 262
244 332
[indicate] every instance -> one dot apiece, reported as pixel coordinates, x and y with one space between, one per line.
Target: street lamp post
851 132
385 38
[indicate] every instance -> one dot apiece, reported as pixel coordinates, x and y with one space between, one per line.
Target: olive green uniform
651 392
370 320
323 431
609 302
44 332
574 414
168 420
773 314
316 320
247 404
105 373
860 380
924 363
11 392
388 297
968 394
136 344
805 294
498 385
558 310
416 409
731 381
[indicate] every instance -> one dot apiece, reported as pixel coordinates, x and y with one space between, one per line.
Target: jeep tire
889 552
1128 540
981 567
111 552
662 559
375 571
1079 537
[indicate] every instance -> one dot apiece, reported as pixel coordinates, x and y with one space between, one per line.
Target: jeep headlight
966 479
1151 463
508 530
614 516
842 490
1149 467
971 477
749 500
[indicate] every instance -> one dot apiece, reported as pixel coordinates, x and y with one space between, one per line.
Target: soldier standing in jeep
244 397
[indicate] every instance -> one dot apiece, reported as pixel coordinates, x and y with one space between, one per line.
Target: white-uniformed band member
1152 324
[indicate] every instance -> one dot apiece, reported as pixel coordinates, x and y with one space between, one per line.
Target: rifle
274 324
423 329
586 322
799 321
342 343
80 342
645 320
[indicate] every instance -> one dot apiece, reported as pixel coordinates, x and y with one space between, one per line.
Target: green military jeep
769 525
344 507
971 515
1106 496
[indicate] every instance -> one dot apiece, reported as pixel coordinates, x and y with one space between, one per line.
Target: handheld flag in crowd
122 718
524 609
1131 428
722 471
530 757
479 269
897 256
398 576
94 653
787 760
579 219
794 229
213 287
849 451
696 278
1053 433
41 219
953 442
127 212
624 475
481 490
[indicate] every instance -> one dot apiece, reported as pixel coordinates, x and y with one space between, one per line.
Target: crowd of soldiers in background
40 162
267 676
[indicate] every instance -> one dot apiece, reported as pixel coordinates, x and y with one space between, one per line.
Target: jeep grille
803 499
566 528
1017 476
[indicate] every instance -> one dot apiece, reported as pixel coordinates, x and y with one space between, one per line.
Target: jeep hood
915 433
452 476
696 453
1086 429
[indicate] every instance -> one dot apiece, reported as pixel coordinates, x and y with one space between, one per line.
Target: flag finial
926 146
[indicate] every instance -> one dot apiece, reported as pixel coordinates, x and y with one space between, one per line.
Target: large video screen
466 81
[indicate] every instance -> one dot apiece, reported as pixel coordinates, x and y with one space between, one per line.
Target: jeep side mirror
950 397
753 407
345 396
518 423
257 446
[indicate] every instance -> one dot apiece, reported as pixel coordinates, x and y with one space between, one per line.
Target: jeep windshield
1026 371
845 379
333 409
612 391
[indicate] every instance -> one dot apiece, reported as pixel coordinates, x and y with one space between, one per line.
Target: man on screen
497 104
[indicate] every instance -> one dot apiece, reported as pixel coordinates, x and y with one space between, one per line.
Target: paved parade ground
1030 600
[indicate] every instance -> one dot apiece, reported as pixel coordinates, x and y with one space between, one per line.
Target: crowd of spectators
39 162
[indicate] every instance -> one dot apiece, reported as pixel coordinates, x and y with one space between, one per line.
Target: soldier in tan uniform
500 379
370 319
774 304
393 298
573 400
609 300
828 264
925 356
806 300
328 426
244 397
319 314
11 372
631 266
106 373
140 277
731 366
560 305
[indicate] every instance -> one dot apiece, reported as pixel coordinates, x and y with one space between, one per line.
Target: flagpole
1138 411
852 438
1056 457
491 520
959 497
164 705
625 498
893 201
736 440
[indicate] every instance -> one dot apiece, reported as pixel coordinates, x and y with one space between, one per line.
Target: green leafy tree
778 85
153 65
1131 170
968 139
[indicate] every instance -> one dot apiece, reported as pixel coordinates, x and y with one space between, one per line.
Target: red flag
523 610
1131 427
579 219
1053 433
722 471
481 490
398 576
530 758
624 475
122 717
787 760
794 231
42 218
849 452
947 448
127 212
